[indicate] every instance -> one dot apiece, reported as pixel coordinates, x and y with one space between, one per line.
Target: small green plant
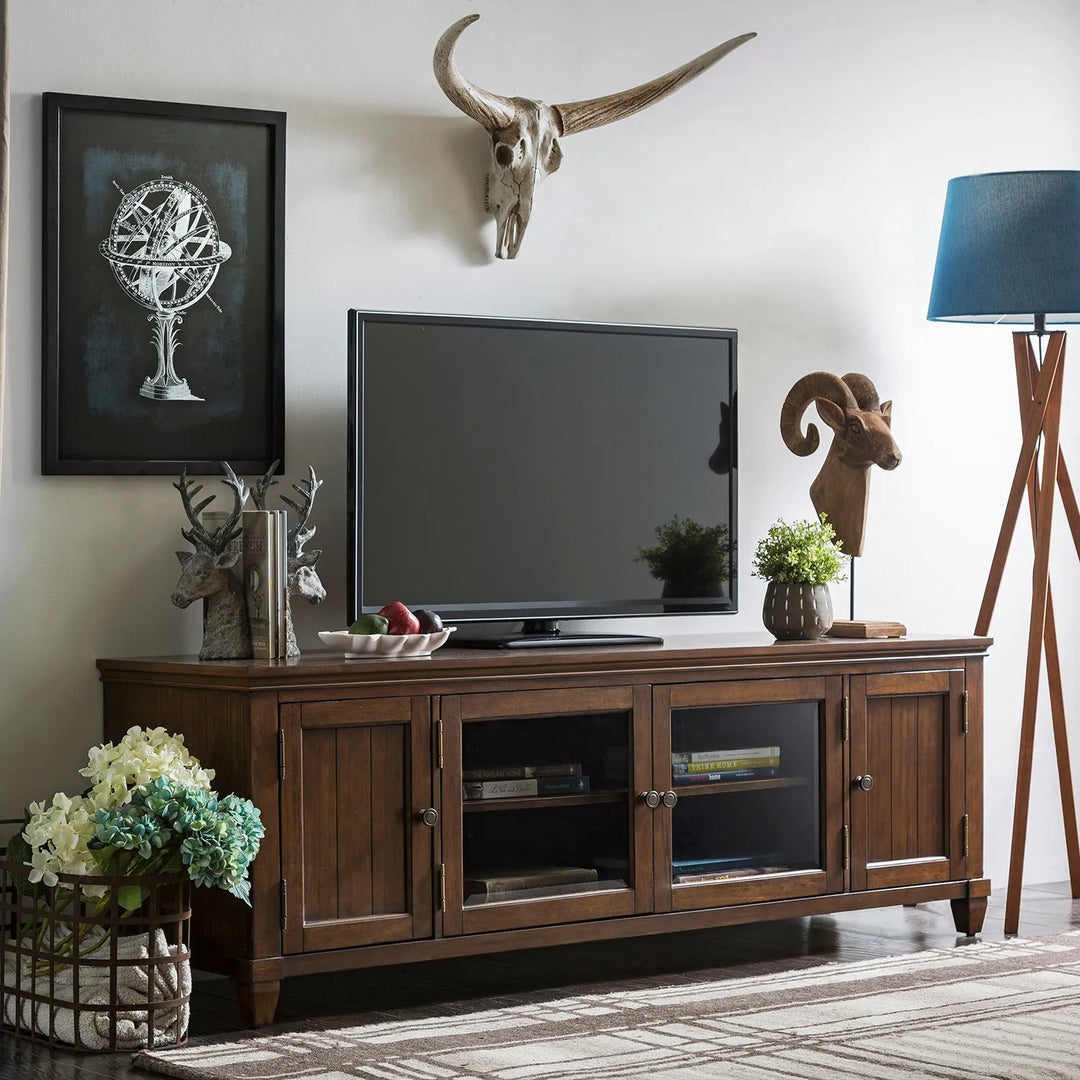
805 553
685 549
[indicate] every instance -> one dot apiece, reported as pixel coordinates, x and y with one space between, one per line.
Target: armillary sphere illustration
165 250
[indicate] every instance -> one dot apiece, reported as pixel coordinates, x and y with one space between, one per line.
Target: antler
198 535
263 485
298 535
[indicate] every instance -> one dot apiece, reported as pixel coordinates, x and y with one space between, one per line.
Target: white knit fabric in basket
170 981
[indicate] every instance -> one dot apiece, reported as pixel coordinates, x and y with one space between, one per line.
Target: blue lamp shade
1009 249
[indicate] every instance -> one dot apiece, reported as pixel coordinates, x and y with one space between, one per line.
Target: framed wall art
164 287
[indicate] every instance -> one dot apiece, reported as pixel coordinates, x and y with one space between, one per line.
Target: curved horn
491 110
864 390
818 384
582 115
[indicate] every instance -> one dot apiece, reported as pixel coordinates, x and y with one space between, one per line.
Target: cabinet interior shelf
534 802
730 786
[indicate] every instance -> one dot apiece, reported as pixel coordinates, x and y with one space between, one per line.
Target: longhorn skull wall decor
862 438
525 133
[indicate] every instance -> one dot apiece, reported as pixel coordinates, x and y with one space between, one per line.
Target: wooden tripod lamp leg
1033 428
1037 622
1027 372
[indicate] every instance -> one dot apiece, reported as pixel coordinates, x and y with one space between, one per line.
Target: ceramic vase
794 612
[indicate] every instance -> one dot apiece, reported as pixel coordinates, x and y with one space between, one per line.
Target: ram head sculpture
525 133
862 437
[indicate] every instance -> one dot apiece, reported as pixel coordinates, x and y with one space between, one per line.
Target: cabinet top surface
677 652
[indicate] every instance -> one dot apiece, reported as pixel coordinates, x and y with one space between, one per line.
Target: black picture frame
164 287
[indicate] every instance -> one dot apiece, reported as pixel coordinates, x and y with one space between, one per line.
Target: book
728 875
537 785
279 599
259 571
720 764
724 774
519 772
542 892
260 583
716 755
488 882
722 864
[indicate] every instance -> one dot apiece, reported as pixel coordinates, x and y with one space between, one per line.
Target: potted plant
99 885
689 558
798 561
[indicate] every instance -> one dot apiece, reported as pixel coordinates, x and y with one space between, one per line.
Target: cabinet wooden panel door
564 841
907 764
750 776
356 859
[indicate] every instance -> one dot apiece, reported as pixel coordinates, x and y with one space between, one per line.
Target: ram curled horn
818 384
862 437
525 133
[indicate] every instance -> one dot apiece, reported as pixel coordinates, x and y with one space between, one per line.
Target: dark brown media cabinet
871 792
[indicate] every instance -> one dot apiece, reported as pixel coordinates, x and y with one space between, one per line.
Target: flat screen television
512 471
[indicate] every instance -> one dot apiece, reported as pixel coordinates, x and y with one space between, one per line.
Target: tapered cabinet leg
258 1001
968 914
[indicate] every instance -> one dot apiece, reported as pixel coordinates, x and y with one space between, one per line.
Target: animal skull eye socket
504 155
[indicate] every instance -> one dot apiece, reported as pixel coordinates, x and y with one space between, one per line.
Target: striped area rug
982 1011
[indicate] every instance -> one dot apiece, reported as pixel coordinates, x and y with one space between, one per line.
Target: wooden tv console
870 792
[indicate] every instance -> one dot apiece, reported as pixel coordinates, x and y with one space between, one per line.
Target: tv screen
523 470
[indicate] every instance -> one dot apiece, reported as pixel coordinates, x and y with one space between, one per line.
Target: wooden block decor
867 628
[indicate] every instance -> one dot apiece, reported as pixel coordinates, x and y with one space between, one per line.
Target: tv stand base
533 641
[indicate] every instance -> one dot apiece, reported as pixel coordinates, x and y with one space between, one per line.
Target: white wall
793 192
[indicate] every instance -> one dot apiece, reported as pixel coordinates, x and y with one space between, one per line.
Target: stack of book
263 569
741 763
728 868
514 781
488 885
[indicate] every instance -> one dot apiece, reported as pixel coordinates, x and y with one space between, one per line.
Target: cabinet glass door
746 774
539 822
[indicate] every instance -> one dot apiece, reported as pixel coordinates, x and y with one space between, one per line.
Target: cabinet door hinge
442 886
281 752
439 743
964 709
845 719
847 847
966 824
284 905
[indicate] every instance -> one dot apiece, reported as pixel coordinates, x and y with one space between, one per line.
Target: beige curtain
4 136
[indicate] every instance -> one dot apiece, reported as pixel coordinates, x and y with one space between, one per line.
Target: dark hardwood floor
449 986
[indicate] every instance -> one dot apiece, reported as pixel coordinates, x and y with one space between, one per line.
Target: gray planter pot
795 612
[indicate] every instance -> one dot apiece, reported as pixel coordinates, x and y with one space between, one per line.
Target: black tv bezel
516 611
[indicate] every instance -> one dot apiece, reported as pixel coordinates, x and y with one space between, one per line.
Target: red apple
400 618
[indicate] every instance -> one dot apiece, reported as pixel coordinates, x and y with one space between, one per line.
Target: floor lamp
1009 252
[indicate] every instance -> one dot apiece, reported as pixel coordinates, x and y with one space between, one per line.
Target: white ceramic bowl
375 645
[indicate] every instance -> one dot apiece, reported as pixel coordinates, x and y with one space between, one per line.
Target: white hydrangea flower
141 756
60 835
60 831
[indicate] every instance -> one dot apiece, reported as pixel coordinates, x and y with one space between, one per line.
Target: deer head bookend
303 580
525 133
862 438
206 573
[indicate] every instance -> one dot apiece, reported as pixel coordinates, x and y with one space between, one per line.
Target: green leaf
19 851
130 897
